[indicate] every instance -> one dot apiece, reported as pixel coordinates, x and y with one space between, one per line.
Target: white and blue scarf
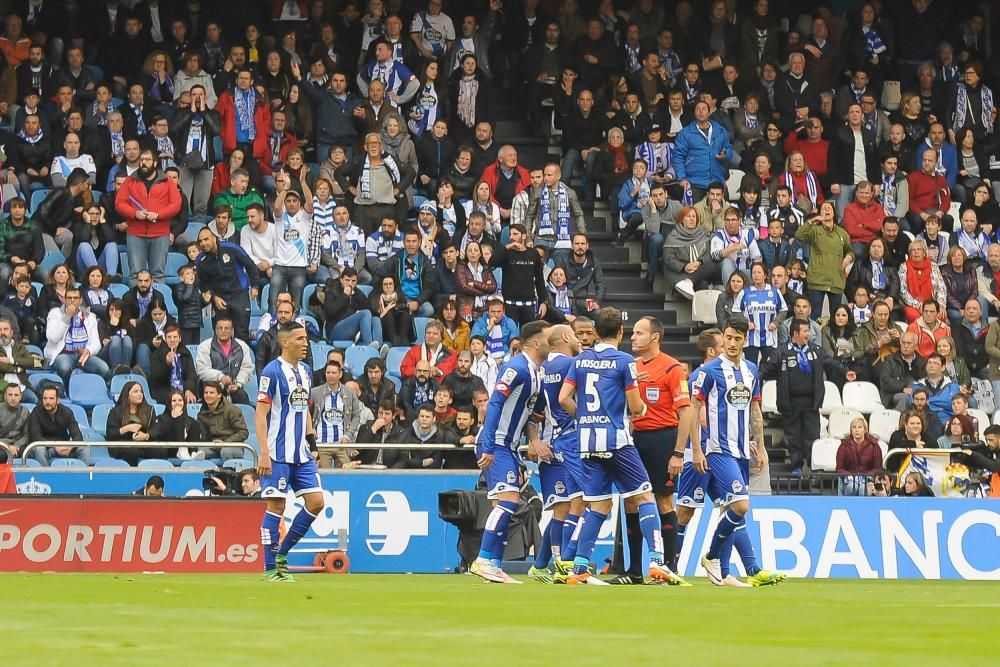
76 335
962 108
874 45
752 122
561 299
245 103
878 274
365 182
428 104
887 197
562 229
23 136
632 57
117 144
176 380
812 187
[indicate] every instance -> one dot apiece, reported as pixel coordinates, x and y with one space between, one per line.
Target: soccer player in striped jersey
606 379
729 388
692 487
516 399
285 435
561 478
760 303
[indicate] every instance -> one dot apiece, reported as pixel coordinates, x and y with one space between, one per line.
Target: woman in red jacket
858 456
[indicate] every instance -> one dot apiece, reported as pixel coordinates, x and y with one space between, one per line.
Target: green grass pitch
446 620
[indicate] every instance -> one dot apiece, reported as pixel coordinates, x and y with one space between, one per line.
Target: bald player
561 477
663 387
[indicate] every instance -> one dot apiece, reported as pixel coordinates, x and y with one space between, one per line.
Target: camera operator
984 456
881 484
225 483
250 483
153 488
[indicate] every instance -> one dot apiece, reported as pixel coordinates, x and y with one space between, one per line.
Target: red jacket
925 190
445 362
163 197
288 142
863 224
854 459
492 174
817 154
226 108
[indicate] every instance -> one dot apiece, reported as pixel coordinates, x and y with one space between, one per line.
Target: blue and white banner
392 524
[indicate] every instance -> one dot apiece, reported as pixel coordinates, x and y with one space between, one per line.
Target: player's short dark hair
655 326
255 206
706 339
533 329
738 323
155 481
582 321
608 322
288 328
77 177
797 324
251 473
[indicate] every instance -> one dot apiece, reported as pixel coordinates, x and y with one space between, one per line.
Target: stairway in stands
626 289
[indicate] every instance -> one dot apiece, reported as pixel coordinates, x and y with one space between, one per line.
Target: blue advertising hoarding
391 519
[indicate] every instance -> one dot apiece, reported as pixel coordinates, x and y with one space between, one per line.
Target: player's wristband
311 439
677 455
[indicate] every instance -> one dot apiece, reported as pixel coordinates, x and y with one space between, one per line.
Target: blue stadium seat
307 292
248 412
394 359
119 381
367 289
238 464
123 266
35 380
80 413
193 409
158 409
37 286
314 166
108 462
193 349
168 298
312 324
255 310
30 463
396 382
67 463
319 350
37 197
155 464
88 389
118 290
206 327
199 465
175 261
192 230
251 390
99 418
419 324
52 259
34 349
265 294
498 275
356 355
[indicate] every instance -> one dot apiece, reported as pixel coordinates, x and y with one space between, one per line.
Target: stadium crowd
182 179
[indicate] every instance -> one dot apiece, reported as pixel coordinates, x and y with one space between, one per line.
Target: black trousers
801 425
522 314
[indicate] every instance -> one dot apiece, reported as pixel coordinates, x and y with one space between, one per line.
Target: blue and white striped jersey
601 376
557 420
761 308
330 424
727 390
743 258
516 396
286 387
688 452
861 314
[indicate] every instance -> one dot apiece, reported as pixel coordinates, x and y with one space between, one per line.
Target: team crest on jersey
652 394
226 258
298 399
332 416
792 363
738 395
737 486
282 484
699 494
560 488
511 477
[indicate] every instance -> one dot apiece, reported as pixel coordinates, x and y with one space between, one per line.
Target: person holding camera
881 484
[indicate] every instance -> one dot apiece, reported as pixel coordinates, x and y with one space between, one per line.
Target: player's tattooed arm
757 429
537 450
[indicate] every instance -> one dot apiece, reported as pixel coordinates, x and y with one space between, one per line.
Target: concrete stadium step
621 268
631 284
605 253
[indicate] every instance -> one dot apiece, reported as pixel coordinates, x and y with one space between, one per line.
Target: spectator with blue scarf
555 213
73 340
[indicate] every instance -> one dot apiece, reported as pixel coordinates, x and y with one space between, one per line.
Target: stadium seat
99 418
982 418
123 266
168 298
318 350
67 463
891 95
118 290
238 464
193 409
769 397
51 260
367 289
862 396
394 359
884 446
88 389
396 382
109 462
356 355
192 230
419 324
119 381
883 423
155 464
249 412
831 398
175 260
824 455
37 380
307 293
81 415
30 463
37 197
265 295
703 306
199 465
733 183
840 421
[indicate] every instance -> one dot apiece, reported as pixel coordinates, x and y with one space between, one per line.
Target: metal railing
9 451
131 444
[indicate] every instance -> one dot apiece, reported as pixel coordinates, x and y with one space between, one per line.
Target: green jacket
225 423
828 247
239 204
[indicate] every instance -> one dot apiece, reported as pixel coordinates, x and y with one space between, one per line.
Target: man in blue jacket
498 329
701 152
339 116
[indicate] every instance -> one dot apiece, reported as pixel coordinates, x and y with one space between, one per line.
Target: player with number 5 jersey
601 388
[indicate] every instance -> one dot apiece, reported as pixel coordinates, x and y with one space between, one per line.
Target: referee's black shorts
655 449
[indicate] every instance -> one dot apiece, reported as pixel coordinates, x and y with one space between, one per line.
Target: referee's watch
677 455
